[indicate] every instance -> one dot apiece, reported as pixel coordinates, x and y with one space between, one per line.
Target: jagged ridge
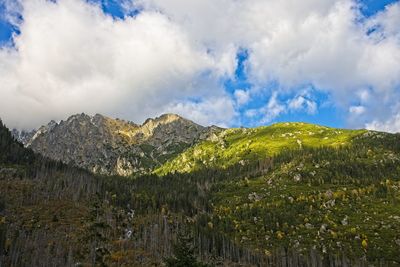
113 146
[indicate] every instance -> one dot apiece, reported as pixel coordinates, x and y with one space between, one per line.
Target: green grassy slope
244 145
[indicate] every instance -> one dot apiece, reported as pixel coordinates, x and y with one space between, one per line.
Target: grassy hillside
245 145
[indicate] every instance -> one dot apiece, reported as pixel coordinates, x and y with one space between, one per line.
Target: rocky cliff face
112 146
23 136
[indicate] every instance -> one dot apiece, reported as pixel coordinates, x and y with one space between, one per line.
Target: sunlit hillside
242 145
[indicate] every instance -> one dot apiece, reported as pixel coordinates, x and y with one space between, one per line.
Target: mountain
169 143
52 214
289 194
112 146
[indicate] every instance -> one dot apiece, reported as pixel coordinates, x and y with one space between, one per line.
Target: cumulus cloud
172 56
328 44
70 57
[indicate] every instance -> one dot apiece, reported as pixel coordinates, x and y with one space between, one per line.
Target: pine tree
95 235
184 252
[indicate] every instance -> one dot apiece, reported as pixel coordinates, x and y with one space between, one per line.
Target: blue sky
315 101
373 6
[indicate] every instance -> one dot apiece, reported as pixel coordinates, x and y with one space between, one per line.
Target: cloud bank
174 56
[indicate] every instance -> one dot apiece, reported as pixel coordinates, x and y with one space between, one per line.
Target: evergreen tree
184 252
95 235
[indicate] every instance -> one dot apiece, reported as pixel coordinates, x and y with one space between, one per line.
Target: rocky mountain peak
114 146
165 122
164 119
78 117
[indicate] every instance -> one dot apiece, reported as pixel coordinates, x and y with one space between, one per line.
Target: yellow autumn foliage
364 244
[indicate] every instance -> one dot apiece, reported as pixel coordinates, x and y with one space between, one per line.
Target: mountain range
96 191
169 143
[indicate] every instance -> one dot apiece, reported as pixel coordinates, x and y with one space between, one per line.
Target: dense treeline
12 152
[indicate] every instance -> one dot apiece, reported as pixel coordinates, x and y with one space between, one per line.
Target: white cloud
276 107
70 57
216 111
323 43
242 97
302 102
390 125
273 109
387 22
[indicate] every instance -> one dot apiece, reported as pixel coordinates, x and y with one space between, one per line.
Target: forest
303 206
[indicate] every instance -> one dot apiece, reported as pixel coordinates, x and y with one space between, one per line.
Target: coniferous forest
303 206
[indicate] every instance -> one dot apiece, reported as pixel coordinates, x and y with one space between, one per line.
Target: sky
229 62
